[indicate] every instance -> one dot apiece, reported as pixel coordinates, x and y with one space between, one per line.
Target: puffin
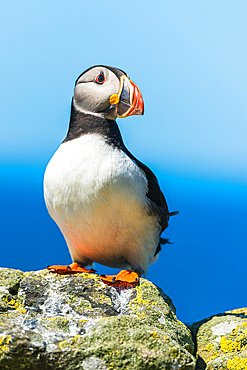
107 204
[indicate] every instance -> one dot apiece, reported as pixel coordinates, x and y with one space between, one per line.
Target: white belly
97 196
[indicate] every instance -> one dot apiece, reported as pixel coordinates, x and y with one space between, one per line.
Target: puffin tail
165 241
174 213
162 241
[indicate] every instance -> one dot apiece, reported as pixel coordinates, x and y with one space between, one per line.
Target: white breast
97 196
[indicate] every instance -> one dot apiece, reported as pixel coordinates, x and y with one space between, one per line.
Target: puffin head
107 92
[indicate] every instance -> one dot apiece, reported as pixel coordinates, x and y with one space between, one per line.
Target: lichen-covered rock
222 341
9 285
50 321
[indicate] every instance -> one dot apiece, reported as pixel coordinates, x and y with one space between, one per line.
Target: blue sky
189 58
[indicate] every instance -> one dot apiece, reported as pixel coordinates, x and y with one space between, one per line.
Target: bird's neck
85 123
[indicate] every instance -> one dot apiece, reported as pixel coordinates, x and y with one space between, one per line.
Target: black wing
155 195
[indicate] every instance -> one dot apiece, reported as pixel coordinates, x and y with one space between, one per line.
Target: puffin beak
129 99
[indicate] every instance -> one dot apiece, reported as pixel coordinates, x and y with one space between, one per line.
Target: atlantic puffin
107 204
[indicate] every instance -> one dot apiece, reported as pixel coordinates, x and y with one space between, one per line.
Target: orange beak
129 99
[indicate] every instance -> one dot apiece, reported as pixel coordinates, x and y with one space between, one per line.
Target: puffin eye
100 79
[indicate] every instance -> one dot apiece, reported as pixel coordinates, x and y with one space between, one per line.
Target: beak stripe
130 98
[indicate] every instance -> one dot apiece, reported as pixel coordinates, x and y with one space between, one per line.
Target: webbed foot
124 279
73 268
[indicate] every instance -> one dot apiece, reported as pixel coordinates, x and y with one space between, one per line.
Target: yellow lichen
65 343
15 304
11 302
21 309
154 334
236 340
227 345
174 352
3 348
4 339
100 319
237 363
213 356
208 347
238 311
58 318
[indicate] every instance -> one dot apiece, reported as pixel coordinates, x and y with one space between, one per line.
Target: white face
93 90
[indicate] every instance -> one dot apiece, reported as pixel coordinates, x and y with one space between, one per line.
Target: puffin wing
157 200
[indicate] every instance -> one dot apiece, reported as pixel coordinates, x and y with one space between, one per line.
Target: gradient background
189 58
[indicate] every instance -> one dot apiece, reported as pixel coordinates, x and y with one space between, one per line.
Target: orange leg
73 268
124 279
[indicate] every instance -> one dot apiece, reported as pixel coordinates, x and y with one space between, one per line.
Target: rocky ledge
49 321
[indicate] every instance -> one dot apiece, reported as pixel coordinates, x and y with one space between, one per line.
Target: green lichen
150 307
10 279
55 323
124 342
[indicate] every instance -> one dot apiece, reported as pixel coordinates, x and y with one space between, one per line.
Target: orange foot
124 279
73 268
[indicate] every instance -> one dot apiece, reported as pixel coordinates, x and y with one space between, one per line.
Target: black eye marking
100 79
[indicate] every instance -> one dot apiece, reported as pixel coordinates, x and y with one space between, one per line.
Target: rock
222 341
50 321
9 285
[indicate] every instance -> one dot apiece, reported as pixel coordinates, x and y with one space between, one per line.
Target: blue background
189 59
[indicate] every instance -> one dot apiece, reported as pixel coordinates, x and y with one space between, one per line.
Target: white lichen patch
54 319
162 320
176 365
93 363
3 289
120 300
223 328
